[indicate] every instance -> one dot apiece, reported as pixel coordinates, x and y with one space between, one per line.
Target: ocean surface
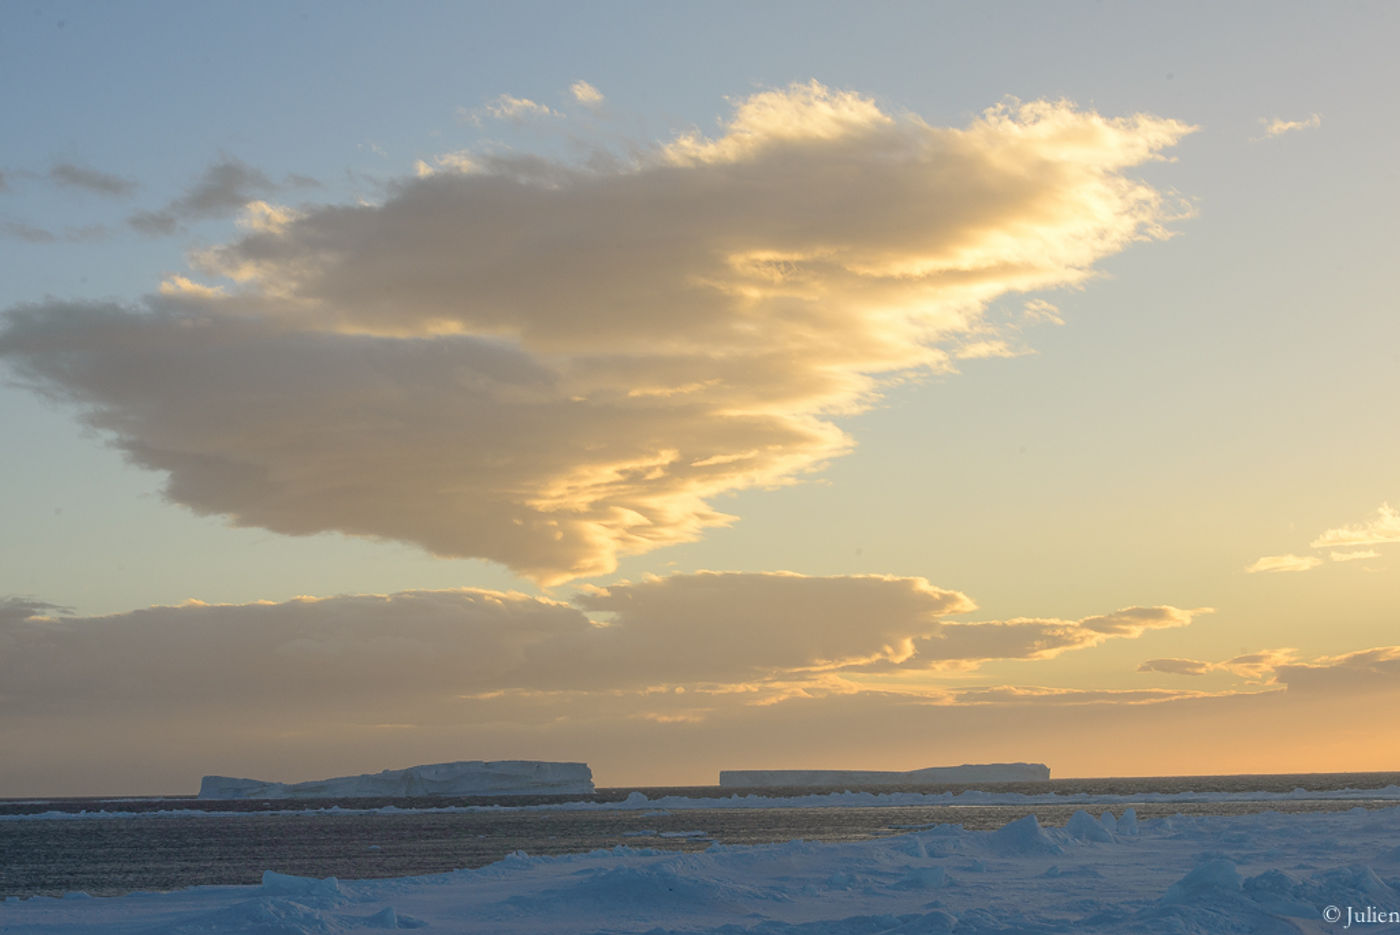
107 847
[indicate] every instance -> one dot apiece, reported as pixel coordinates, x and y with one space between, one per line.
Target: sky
687 387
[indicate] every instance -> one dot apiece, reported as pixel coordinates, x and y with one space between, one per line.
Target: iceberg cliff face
979 772
469 777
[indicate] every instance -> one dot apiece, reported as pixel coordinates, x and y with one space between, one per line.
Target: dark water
148 851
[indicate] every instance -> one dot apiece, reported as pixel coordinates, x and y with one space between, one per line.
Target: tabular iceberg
968 772
469 777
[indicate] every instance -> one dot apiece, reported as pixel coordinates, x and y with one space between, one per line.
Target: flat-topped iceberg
968 772
469 777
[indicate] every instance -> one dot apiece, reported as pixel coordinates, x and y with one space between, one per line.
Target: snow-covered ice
468 777
968 772
1266 873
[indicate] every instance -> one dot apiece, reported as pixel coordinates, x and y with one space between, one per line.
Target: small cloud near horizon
757 637
713 664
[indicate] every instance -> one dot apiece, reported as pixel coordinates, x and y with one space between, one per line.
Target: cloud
16 609
19 230
184 286
585 93
224 188
1260 666
727 632
756 637
982 350
517 109
460 161
1363 671
552 366
1383 529
1284 563
301 656
464 445
660 680
1176 666
154 223
1037 311
102 183
1342 543
1278 127
1028 638
266 217
1023 695
1353 556
1256 667
778 624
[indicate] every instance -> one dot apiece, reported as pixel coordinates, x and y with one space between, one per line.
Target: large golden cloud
551 366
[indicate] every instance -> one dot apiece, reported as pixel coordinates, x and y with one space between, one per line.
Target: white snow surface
968 772
468 777
1264 873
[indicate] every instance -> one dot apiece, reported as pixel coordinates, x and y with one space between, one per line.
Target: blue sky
1216 394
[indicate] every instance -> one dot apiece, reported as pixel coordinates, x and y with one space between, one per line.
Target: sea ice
1263 873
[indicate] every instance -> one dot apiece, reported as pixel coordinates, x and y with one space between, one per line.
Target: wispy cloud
552 366
1342 543
185 287
1353 556
223 189
1038 311
459 161
983 350
1176 666
29 233
1022 695
516 109
1382 529
1028 638
102 183
586 93
1277 126
266 217
1288 562
1260 666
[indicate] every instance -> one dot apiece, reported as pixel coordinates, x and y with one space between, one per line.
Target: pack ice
1268 873
468 777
